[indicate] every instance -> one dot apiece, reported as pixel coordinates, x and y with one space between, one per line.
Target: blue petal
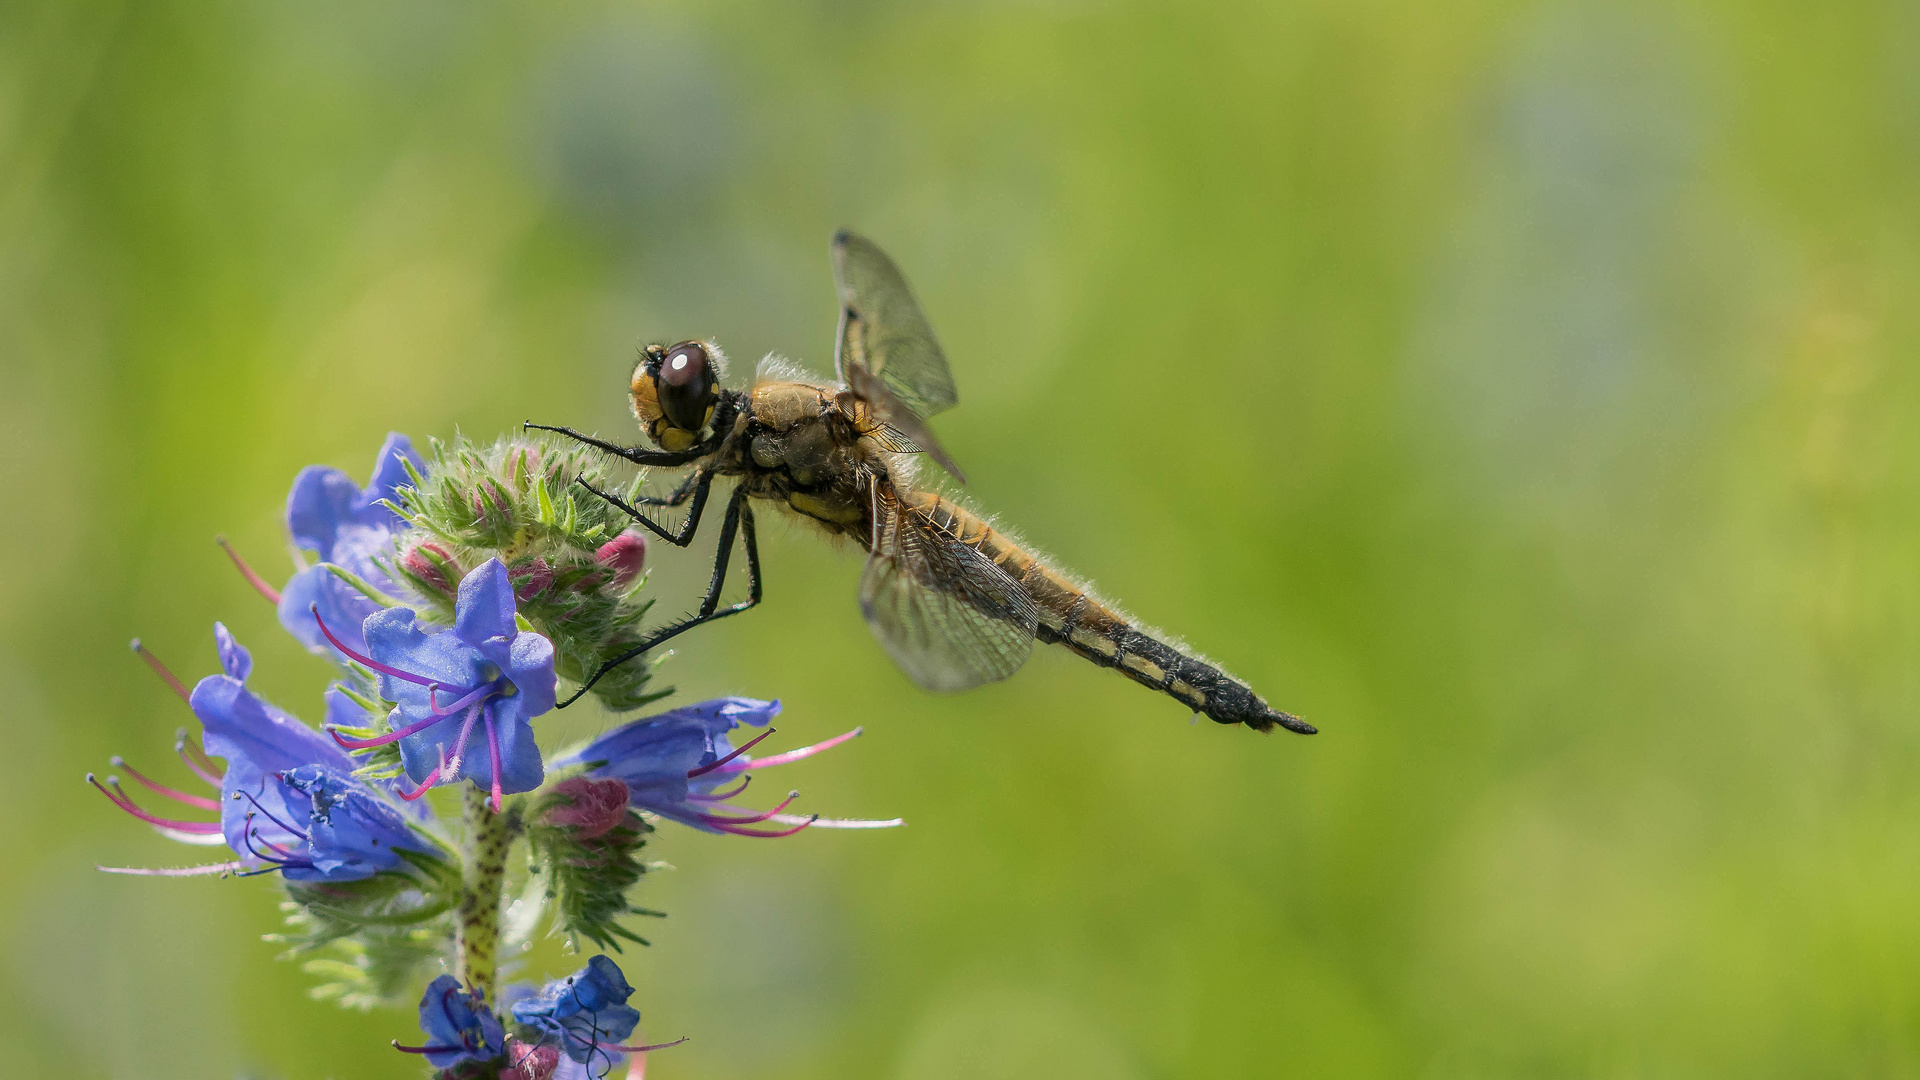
395 639
240 726
583 1011
521 768
484 609
452 1017
673 743
601 984
234 657
341 605
528 664
389 476
258 810
352 833
322 500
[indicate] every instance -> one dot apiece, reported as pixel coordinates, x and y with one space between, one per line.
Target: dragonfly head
674 392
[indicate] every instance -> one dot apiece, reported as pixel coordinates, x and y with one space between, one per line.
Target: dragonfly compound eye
686 381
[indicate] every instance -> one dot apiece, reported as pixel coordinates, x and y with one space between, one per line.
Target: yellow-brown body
817 452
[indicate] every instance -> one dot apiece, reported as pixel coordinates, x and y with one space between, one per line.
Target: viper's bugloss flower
459 1026
288 802
585 1015
464 696
345 524
677 763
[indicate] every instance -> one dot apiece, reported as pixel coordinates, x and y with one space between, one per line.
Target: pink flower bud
532 579
429 570
625 555
529 1062
598 806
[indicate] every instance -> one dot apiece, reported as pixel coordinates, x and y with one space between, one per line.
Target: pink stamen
718 819
197 759
842 823
174 871
119 799
259 584
644 1049
425 786
161 670
705 769
200 801
391 736
427 1049
493 753
721 796
738 831
367 662
269 815
793 755
451 769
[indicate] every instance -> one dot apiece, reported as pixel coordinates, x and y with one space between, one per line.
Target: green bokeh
1514 390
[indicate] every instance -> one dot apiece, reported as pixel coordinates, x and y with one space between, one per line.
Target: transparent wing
947 614
883 331
898 419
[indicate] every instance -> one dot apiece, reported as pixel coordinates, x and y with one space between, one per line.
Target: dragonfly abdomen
1070 617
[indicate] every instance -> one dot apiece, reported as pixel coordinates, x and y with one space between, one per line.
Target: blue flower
673 763
465 696
586 1013
346 525
288 802
459 1026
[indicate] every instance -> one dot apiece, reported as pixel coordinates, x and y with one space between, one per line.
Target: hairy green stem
484 870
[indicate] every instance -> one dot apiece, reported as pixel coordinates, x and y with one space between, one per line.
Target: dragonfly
955 601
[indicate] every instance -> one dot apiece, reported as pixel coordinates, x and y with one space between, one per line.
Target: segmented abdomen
1069 617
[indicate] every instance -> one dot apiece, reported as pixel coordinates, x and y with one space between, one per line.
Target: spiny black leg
739 518
678 496
701 481
632 453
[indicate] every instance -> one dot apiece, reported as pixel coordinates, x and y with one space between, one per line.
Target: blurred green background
1513 389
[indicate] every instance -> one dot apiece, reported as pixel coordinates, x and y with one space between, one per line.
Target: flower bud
525 1062
625 555
531 579
432 564
598 806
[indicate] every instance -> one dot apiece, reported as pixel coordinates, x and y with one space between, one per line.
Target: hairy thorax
795 445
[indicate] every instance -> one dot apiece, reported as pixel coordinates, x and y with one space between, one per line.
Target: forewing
882 330
947 614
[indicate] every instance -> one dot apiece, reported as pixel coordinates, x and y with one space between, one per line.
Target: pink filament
200 801
721 796
197 759
775 834
119 799
161 670
493 755
792 755
705 769
175 871
259 584
644 1049
417 726
722 819
366 661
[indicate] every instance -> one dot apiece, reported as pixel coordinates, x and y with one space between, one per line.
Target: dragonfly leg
635 454
678 496
699 484
739 520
